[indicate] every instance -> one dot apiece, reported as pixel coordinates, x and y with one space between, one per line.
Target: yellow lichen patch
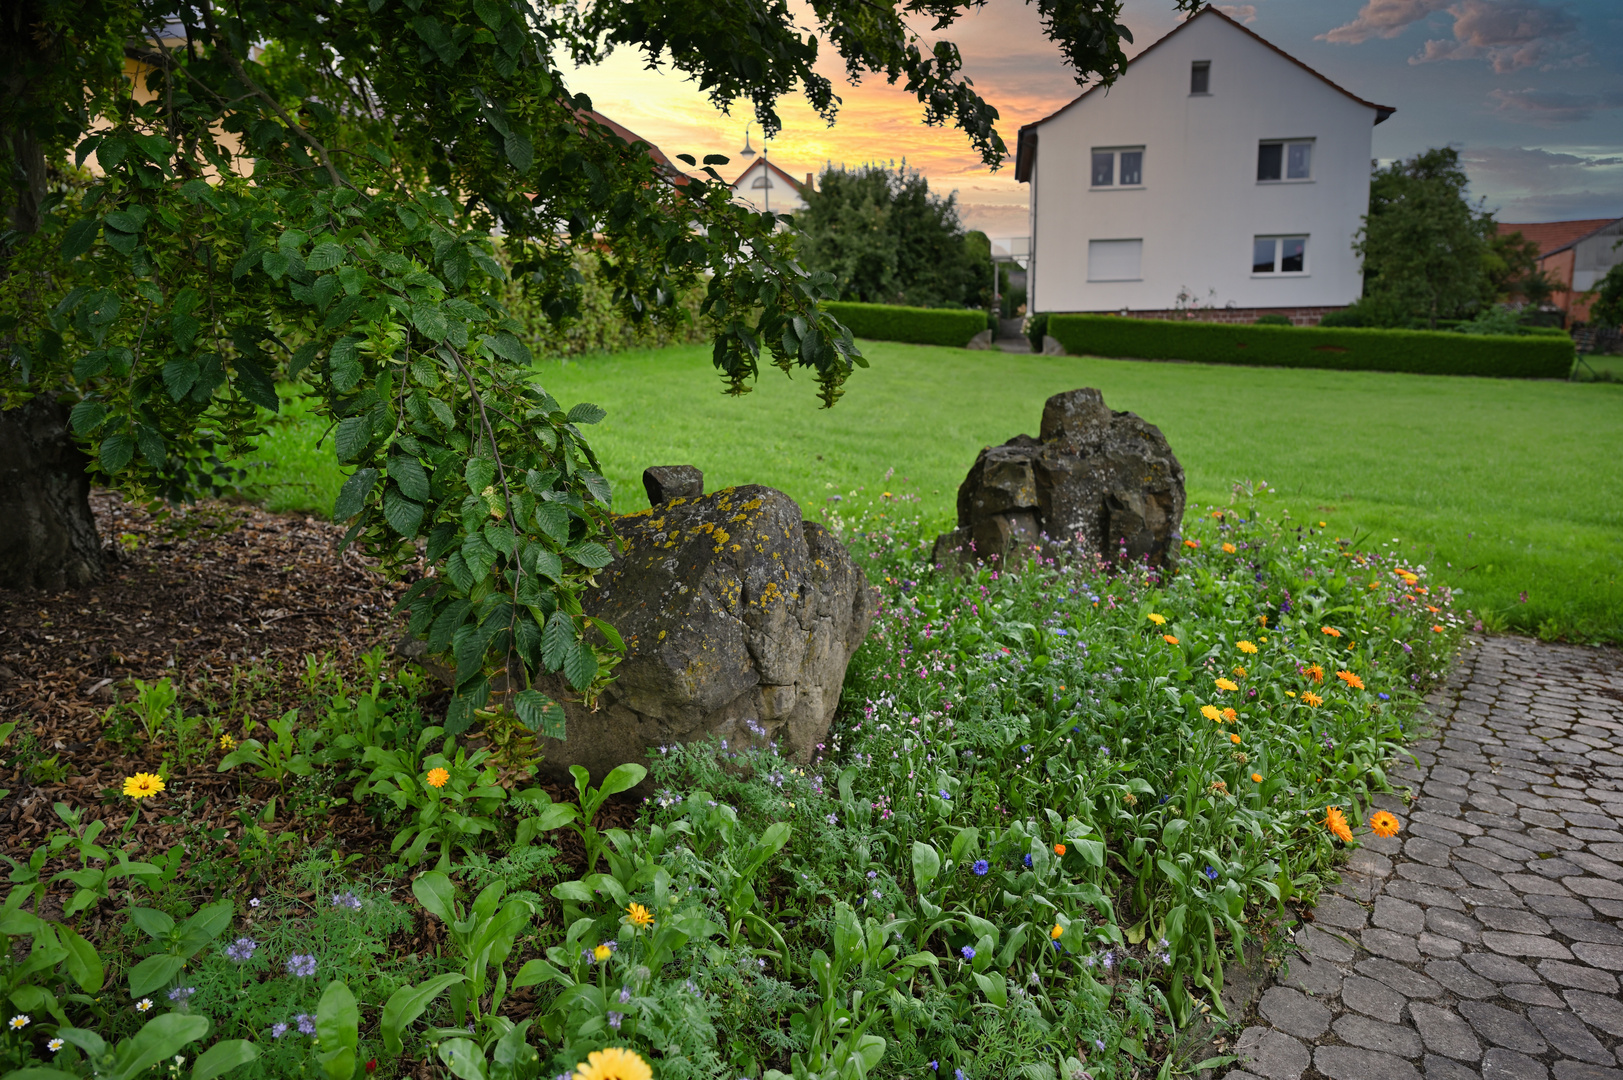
771 592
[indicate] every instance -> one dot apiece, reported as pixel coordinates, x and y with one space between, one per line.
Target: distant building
1217 168
768 188
1575 255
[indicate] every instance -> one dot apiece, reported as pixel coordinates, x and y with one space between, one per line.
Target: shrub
1036 330
1273 318
1419 351
921 326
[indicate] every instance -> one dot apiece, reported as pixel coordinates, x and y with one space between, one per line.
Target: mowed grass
1507 489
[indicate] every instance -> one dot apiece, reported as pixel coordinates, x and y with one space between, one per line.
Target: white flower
254 902
20 1021
54 1045
143 1005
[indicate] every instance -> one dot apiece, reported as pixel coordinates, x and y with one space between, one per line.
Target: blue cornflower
1028 862
944 795
934 1066
958 1074
1211 873
980 868
968 953
1383 697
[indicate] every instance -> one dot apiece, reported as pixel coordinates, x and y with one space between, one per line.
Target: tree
310 190
1607 307
1510 268
886 239
1423 244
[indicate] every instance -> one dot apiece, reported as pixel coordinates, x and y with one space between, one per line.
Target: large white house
1215 163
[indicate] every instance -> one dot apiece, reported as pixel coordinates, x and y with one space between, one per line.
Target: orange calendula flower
1433 610
1336 822
1191 543
1227 684
1437 629
1057 932
1230 715
1169 639
1350 679
1059 849
1228 549
1158 620
639 915
142 785
1330 631
1383 824
437 778
1239 672
1314 672
1235 739
1312 699
1210 712
1246 647
1256 778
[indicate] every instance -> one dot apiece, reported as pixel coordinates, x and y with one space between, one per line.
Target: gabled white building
1215 162
766 187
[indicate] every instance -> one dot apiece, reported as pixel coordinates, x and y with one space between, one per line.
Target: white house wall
783 196
1201 205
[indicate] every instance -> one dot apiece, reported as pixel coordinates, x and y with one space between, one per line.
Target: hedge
1428 352
921 326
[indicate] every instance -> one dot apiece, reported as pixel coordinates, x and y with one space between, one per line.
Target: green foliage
1357 349
452 795
1036 330
922 326
886 239
597 324
1272 319
1607 307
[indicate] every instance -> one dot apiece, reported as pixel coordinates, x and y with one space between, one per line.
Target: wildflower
1330 631
1057 932
1383 824
253 901
872 874
1246 647
372 1066
1228 549
1290 693
958 1074
1191 543
144 1005
1336 822
20 1021
980 867
301 965
306 1023
1059 849
1227 684
1437 629
1130 799
1100 1043
967 952
346 899
1169 639
1256 778
1109 960
935 1067
1211 713
1211 873
1350 679
1158 620
278 1030
142 785
54 1045
625 994
1314 672
616 1019
1219 787
602 952
1235 739
436 778
1028 862
639 915
1311 699
1230 715
227 742
1239 672
1384 697
944 795
180 994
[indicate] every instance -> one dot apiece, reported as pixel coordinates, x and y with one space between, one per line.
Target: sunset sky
1530 91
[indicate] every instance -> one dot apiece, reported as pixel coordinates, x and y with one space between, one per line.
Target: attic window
1105 173
1278 161
1200 77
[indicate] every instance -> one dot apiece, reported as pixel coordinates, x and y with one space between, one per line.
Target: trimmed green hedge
1429 352
921 326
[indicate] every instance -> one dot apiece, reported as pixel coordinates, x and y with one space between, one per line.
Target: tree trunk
48 536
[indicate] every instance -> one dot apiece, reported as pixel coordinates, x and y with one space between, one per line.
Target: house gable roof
1026 148
1555 236
798 185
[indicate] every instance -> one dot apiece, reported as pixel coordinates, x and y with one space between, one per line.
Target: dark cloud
1533 184
1553 106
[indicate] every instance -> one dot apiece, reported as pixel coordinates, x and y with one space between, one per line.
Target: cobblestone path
1483 940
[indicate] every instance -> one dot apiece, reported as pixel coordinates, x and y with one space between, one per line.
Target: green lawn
1503 487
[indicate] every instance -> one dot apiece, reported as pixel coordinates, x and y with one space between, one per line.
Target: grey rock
1445 1032
1440 1068
1322 946
1104 481
1577 976
1343 914
1395 946
1271 1054
1503 1027
1293 1013
666 482
1439 876
1429 896
1398 915
1372 998
1376 1035
739 619
1559 907
1568 1035
1588 886
1511 920
1591 930
1528 994
1353 1063
1600 1011
1052 347
1526 945
1609 957
1403 980
1422 850
1509 1065
981 341
1441 947
1322 978
1577 1070
1453 924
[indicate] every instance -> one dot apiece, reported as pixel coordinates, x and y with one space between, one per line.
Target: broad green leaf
151 922
590 554
403 515
87 416
354 433
83 962
586 413
579 666
542 715
337 1020
926 864
479 474
520 151
352 496
115 452
154 973
222 1057
463 1058
406 1004
435 892
408 472
159 1039
326 255
624 778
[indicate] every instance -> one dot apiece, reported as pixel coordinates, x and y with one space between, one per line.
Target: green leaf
151 922
352 497
129 221
253 384
429 320
408 472
87 416
222 1057
153 973
580 665
83 962
354 434
179 376
337 1027
520 151
553 520
326 255
543 715
463 1058
115 451
926 864
556 639
590 554
78 237
406 1004
403 515
479 473
586 413
435 892
505 345
624 778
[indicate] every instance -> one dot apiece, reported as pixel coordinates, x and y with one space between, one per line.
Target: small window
1115 260
1277 161
1279 255
1200 77
1130 172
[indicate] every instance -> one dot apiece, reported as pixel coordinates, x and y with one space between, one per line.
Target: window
1131 173
1115 260
1279 255
1284 160
1200 77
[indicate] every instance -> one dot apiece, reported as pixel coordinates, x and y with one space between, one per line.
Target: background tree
1607 307
887 239
305 192
1510 268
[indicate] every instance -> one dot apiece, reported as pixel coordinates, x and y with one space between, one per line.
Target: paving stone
1445 1032
1446 837
1440 876
1529 883
1377 1035
1402 948
1334 911
1479 876
1398 915
1493 821
1441 947
1460 825
1574 975
1431 852
1363 861
1372 998
1452 974
1554 868
1509 1065
1492 804
1294 1013
1486 859
1452 924
1440 1068
1404 980
1591 930
1569 907
1588 886
1503 1027
1528 994
1431 896
1360 888
1599 1011
1322 978
1609 957
1271 1054
1568 1035
1319 945
1528 945
1498 968
1577 1070
1495 898
1353 1063
1511 920
1610 908
1594 864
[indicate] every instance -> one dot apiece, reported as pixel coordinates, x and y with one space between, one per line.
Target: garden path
1483 940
